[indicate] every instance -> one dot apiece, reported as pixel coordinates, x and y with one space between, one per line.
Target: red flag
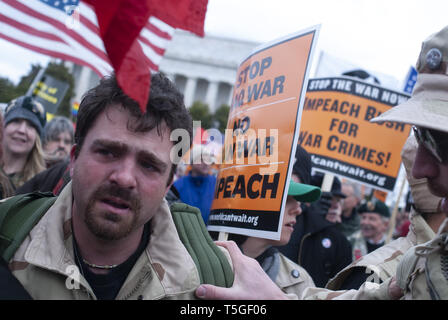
130 35
120 23
187 15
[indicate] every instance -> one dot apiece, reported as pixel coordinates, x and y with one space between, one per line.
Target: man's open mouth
117 203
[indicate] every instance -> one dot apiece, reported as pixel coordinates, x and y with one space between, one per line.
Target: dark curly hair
165 104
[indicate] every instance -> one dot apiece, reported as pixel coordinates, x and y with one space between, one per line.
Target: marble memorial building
204 69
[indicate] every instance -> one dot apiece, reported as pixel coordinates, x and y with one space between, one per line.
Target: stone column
190 88
229 102
210 97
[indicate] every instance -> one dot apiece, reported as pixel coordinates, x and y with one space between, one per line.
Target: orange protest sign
336 131
261 138
380 195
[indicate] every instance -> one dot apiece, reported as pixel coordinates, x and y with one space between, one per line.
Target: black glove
322 205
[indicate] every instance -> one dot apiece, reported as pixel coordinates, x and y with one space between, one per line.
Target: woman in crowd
21 144
6 188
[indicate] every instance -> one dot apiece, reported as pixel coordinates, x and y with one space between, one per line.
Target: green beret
375 206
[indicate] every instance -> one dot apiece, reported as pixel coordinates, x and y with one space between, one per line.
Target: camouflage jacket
45 265
423 272
382 263
368 291
292 278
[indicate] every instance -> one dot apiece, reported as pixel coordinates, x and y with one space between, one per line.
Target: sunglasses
434 141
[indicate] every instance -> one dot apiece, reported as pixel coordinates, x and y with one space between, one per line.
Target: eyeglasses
434 141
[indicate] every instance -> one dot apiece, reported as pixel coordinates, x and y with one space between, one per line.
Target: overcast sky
380 35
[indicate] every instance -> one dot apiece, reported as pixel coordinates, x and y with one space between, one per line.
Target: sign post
393 217
36 79
327 182
261 138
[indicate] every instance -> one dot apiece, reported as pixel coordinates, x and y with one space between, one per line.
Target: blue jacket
197 191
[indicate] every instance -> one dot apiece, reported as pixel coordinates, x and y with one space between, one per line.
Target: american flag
128 36
68 29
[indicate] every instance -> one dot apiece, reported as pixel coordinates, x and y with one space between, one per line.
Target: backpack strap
63 181
210 261
18 215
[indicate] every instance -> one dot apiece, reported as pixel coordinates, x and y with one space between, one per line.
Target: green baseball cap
303 192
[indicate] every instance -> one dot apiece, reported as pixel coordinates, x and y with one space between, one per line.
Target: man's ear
72 158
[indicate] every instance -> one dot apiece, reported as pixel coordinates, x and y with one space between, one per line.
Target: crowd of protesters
313 250
116 186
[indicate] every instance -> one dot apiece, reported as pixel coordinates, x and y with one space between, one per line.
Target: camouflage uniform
382 262
292 278
368 291
45 265
423 271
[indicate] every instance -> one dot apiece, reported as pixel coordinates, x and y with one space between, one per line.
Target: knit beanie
29 109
